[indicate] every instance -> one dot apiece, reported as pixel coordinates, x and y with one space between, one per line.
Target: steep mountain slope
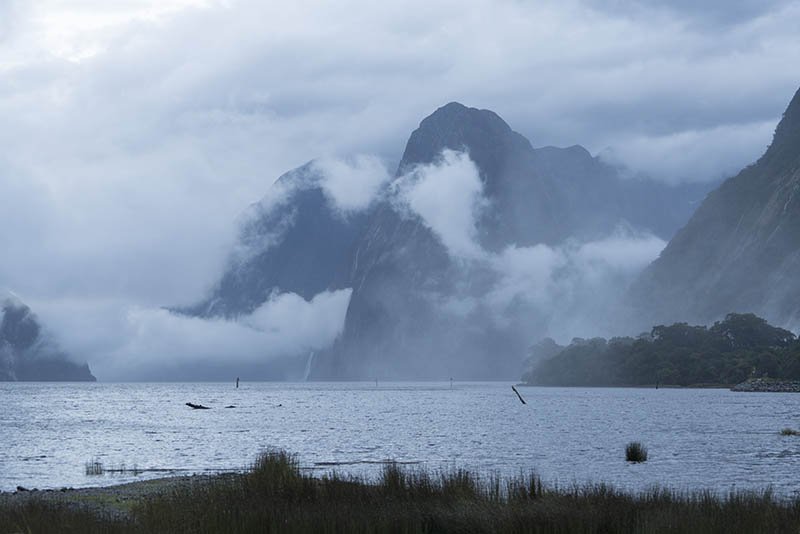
300 244
416 310
24 353
740 252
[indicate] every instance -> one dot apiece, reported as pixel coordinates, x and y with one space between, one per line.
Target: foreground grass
275 496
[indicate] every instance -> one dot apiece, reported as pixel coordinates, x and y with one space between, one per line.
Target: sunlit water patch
696 439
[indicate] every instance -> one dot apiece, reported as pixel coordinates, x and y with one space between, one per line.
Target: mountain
396 325
300 244
416 311
740 252
25 353
548 194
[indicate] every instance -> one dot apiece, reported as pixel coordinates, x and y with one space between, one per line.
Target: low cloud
122 342
352 184
448 196
694 155
574 288
561 290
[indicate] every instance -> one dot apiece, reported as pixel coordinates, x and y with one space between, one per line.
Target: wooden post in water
237 382
518 395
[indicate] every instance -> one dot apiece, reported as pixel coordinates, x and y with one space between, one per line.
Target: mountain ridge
742 243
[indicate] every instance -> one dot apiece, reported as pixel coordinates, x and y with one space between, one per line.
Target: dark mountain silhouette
26 355
302 245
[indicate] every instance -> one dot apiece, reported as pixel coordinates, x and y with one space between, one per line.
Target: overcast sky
133 132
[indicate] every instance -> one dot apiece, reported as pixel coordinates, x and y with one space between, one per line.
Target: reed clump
790 432
275 495
635 452
94 467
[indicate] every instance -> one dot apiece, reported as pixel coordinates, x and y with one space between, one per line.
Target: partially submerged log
197 406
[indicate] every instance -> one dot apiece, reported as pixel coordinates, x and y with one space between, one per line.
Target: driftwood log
197 406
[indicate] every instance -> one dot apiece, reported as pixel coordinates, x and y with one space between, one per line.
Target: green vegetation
731 351
790 432
635 452
276 496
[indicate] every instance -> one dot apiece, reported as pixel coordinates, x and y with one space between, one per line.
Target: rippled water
713 439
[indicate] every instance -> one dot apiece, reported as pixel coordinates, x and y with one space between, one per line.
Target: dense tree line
731 351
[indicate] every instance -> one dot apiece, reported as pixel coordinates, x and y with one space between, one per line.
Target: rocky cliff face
403 277
24 353
740 252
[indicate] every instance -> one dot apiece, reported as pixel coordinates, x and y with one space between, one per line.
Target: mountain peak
454 126
785 145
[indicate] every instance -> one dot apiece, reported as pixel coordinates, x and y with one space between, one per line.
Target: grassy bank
275 496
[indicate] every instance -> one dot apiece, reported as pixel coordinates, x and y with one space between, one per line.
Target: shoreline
115 501
275 495
767 385
631 386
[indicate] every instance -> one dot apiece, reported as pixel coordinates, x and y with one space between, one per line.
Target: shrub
635 452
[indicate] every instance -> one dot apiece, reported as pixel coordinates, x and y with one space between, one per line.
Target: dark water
713 439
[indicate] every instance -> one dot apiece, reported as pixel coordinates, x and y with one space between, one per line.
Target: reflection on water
696 438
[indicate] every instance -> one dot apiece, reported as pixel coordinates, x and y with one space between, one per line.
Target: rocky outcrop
26 354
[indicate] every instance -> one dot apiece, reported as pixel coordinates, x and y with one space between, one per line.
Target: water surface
701 438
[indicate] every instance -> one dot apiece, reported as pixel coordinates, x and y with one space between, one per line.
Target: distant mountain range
426 278
400 270
26 354
740 251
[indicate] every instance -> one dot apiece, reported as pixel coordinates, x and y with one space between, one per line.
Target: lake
696 438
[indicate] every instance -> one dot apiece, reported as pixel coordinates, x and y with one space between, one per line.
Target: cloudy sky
133 133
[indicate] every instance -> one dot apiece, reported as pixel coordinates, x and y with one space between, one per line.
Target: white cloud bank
448 196
572 287
125 342
352 184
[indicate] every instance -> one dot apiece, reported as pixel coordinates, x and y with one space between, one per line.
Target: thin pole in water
518 395
237 382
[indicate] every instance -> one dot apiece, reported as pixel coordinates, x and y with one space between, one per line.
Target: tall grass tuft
635 452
